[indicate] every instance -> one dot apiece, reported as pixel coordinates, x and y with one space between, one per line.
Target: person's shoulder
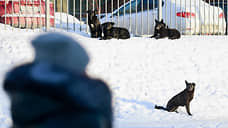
18 73
21 69
94 93
96 82
100 86
95 86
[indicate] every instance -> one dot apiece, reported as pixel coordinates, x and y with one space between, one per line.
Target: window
128 6
152 4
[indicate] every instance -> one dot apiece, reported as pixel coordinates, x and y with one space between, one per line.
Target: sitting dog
110 32
162 31
94 24
182 99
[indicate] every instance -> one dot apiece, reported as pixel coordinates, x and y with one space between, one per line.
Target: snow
142 72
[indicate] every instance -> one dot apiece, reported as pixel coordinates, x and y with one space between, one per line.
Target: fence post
5 14
47 15
159 10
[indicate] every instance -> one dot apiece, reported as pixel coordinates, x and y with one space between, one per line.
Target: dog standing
110 32
182 99
162 31
94 24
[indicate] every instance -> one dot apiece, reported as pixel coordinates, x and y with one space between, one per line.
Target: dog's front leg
101 38
187 106
154 35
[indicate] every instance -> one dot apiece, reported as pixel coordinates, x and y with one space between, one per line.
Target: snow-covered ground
142 72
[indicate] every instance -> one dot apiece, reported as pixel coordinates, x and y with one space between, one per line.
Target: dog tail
160 107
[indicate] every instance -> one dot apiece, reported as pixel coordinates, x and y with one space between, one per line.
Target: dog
110 32
94 24
181 99
162 31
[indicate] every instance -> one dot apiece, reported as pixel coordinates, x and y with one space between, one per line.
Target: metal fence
190 17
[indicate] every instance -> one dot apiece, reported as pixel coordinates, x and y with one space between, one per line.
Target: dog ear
156 21
186 82
194 84
109 25
162 21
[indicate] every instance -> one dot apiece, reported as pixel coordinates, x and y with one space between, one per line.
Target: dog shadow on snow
146 104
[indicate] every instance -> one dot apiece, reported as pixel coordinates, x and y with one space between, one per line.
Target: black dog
110 32
182 99
162 31
94 24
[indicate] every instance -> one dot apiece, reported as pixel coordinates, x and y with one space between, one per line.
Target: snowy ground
143 72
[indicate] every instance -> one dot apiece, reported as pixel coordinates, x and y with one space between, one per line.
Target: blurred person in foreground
54 91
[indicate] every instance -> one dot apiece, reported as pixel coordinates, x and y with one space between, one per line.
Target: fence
190 17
